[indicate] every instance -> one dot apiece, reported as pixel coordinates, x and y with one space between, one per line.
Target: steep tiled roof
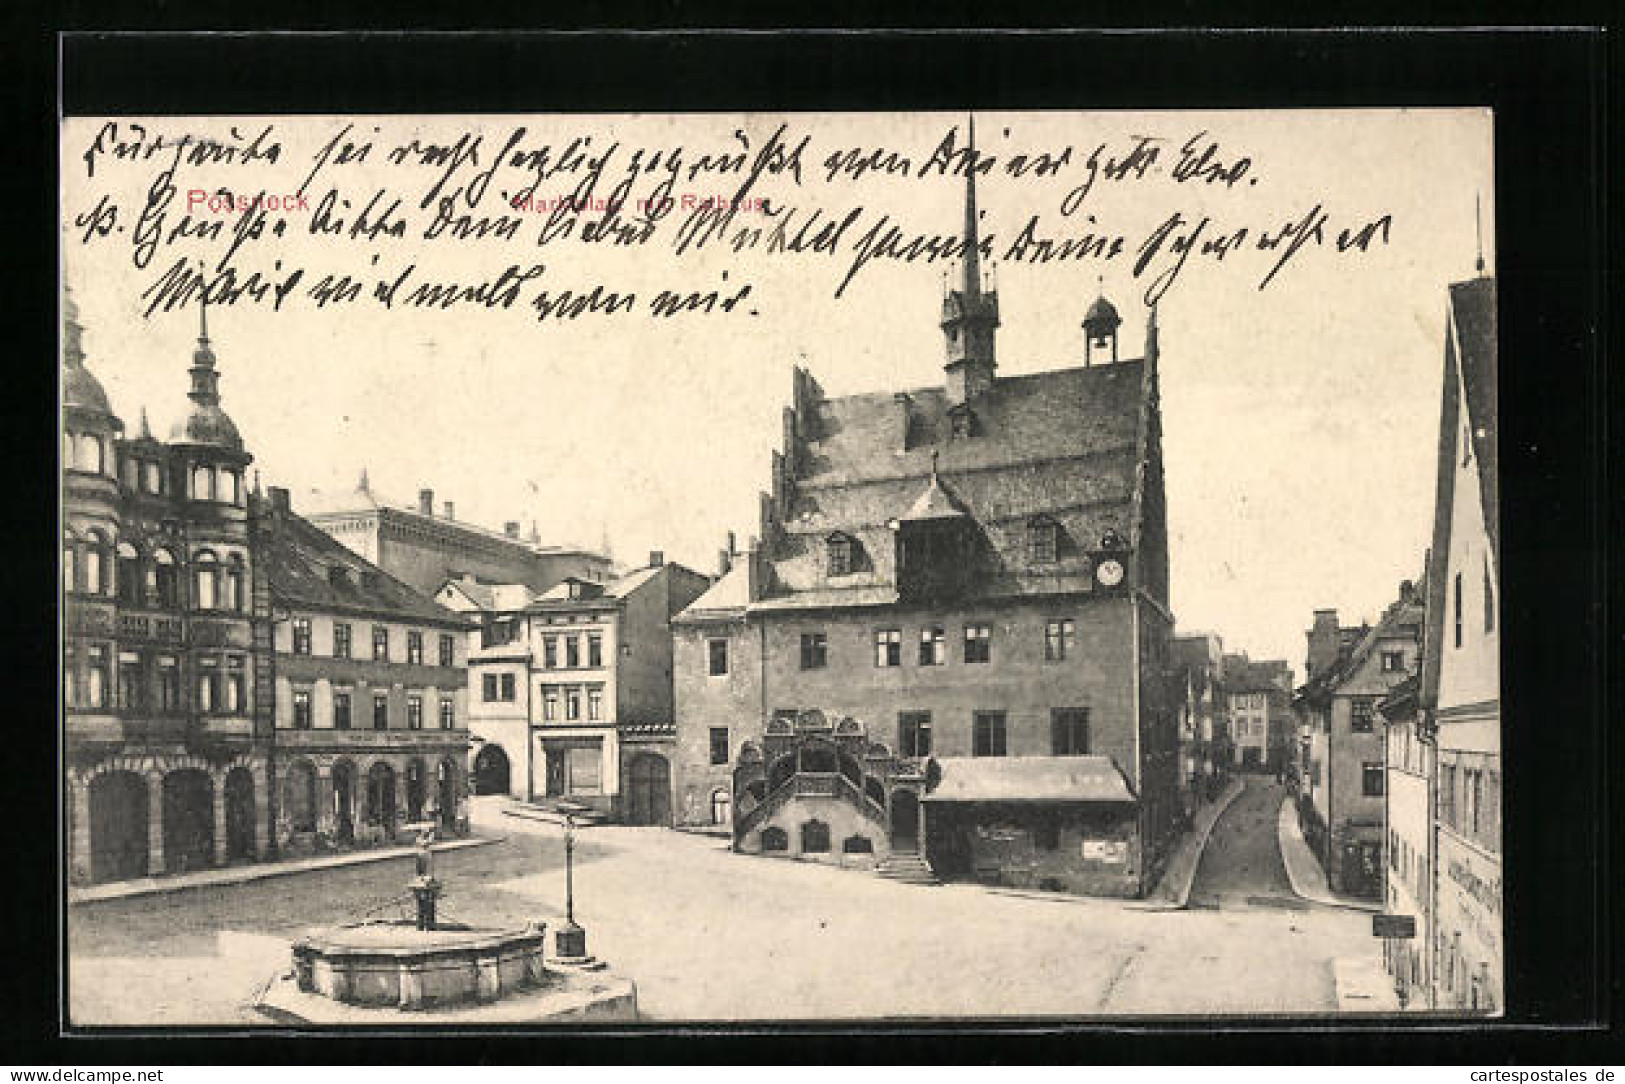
1061 443
299 559
728 596
494 597
1473 306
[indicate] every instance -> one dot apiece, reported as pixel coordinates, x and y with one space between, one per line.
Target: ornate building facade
166 707
370 693
950 647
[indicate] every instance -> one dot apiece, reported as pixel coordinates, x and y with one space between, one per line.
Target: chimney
656 558
451 510
1407 591
511 528
904 411
279 499
1323 643
426 502
724 562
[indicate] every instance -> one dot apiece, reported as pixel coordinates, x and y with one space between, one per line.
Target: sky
1299 418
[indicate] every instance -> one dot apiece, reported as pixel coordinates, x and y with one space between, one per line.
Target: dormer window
841 554
339 576
1043 540
962 422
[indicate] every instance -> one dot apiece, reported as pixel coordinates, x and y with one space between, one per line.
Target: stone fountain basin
396 964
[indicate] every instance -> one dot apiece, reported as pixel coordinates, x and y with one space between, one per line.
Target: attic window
841 552
1043 540
339 576
962 422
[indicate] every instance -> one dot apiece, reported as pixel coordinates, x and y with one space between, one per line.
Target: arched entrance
118 826
648 798
381 797
446 793
239 814
188 820
344 801
905 821
491 771
721 807
299 796
414 791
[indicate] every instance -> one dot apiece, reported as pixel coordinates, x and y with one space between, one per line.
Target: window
208 582
301 709
488 688
1457 609
208 686
152 479
132 685
448 650
978 643
234 486
933 647
96 678
550 652
236 685
889 647
595 704
1060 639
584 769
716 652
572 704
128 574
95 565
550 704
202 484
414 648
162 579
719 745
814 651
169 683
595 649
380 643
301 636
1489 598
721 807
1393 662
839 550
1361 714
1069 731
448 713
341 711
69 564
414 712
90 453
987 734
235 577
380 711
1371 773
914 733
1043 541
507 684
341 641
572 651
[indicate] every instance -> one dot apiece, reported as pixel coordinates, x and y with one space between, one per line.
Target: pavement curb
1291 843
1198 840
212 878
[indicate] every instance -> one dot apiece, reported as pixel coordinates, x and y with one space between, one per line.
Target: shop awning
1093 778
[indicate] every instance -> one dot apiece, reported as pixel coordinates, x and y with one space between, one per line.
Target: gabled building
1409 844
371 697
1460 690
572 690
1259 700
165 701
953 637
1206 751
1342 804
424 548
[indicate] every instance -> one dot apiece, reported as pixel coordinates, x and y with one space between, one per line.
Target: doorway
239 814
905 821
649 791
118 826
491 770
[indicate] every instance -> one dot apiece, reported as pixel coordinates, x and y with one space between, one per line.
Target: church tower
970 314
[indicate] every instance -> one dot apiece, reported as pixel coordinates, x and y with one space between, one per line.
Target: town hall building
949 648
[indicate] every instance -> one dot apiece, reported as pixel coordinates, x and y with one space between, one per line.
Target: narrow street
711 935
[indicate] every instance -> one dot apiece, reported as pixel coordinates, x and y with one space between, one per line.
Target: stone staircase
907 867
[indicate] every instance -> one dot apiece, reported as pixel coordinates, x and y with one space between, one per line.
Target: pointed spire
970 266
145 430
205 381
73 350
363 485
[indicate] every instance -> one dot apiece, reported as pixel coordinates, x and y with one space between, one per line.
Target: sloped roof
1093 778
1472 305
728 596
298 558
1063 443
493 597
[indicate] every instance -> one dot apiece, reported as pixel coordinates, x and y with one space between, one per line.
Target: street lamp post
570 940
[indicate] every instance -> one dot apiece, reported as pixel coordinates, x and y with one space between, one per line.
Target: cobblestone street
710 935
